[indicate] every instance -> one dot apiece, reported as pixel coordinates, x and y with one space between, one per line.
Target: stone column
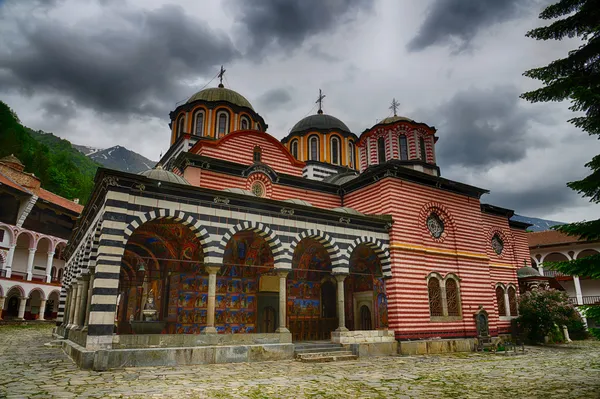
72 305
89 297
65 315
84 299
49 266
42 309
340 302
30 263
1 306
9 261
78 307
282 301
578 292
22 304
507 302
212 290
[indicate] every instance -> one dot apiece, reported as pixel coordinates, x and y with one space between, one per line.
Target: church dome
221 93
527 271
395 118
319 122
13 162
158 173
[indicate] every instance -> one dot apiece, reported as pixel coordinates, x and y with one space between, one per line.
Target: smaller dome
319 122
12 161
297 201
527 271
221 94
350 211
236 190
158 173
340 178
392 119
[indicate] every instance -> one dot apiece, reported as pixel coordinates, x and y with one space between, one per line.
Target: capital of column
340 277
282 273
32 250
212 269
51 253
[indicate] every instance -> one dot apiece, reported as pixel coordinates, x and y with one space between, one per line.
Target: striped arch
262 230
185 218
380 250
328 242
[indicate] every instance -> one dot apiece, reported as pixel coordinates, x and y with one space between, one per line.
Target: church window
381 149
294 148
180 125
222 124
403 148
335 151
422 149
500 300
313 144
199 123
452 301
512 301
245 124
497 244
435 225
351 152
257 156
258 189
435 297
60 275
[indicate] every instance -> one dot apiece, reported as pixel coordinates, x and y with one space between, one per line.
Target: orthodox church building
238 238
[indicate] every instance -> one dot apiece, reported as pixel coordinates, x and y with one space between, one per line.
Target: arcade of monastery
239 245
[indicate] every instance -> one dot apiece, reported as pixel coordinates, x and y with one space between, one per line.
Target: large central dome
221 94
319 122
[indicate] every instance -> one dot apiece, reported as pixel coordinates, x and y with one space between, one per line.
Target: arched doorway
311 314
33 309
365 291
13 298
51 310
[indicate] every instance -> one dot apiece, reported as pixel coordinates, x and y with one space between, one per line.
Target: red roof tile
6 181
58 200
549 237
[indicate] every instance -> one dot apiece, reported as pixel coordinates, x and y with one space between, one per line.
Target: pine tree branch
561 8
584 267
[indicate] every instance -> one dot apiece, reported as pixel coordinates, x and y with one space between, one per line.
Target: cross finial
320 101
394 106
220 75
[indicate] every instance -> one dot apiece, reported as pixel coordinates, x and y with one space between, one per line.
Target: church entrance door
268 309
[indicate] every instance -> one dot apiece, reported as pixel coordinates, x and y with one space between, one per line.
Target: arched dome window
381 149
257 156
294 148
403 148
180 125
422 149
222 123
199 123
351 153
245 123
335 151
313 148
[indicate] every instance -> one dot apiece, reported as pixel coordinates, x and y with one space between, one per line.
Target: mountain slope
119 158
537 223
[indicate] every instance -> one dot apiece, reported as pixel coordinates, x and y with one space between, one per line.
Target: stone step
319 349
328 357
323 353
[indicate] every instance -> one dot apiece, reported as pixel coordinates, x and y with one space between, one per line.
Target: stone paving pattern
30 369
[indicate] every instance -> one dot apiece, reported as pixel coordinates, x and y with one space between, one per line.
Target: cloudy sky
107 72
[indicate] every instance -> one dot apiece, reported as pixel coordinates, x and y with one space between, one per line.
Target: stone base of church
435 346
367 343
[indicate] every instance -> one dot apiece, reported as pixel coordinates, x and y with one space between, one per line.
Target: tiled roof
60 201
8 182
549 237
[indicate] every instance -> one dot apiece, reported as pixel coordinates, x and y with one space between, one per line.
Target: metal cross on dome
394 106
320 101
221 73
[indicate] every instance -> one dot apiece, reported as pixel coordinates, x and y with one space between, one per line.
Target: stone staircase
321 351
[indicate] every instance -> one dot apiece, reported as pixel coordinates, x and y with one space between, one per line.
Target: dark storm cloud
287 23
484 128
275 98
137 64
458 21
63 110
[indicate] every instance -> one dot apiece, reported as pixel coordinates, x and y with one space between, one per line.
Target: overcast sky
107 72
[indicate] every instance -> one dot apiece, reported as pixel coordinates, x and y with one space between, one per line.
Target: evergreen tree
576 78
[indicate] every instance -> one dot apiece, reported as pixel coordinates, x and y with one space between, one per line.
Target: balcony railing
587 300
554 273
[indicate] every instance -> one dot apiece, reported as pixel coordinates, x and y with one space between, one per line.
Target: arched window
257 156
512 301
335 151
381 150
180 125
199 123
403 148
452 297
500 301
422 152
60 275
313 148
222 123
435 297
294 148
351 154
245 123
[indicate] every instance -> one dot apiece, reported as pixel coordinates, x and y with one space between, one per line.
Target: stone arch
185 218
39 291
47 239
443 212
18 288
11 233
586 252
32 240
326 240
262 230
377 246
565 256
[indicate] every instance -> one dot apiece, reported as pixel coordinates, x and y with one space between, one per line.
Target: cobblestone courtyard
30 369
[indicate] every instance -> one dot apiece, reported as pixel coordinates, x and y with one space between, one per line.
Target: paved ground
30 369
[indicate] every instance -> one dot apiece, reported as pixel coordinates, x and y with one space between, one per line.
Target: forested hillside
60 167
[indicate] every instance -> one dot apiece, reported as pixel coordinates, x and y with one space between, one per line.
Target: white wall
590 287
569 286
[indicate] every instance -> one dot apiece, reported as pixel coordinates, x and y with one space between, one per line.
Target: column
65 315
49 266
84 300
77 315
340 302
541 269
578 293
212 289
30 263
89 297
72 305
282 301
9 261
22 304
506 302
42 309
1 306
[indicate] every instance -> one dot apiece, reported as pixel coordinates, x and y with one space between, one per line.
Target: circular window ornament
258 189
435 225
497 244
